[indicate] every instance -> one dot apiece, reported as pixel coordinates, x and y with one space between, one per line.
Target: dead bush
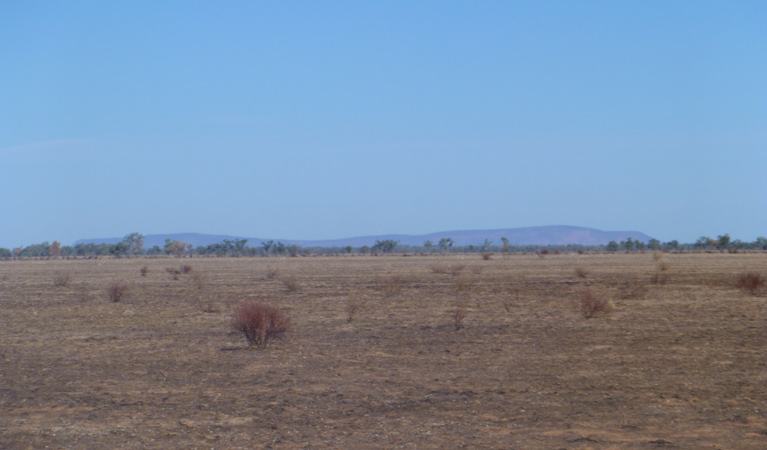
751 282
174 272
633 290
260 323
582 272
186 268
144 270
198 280
590 302
291 283
390 287
117 290
459 314
487 256
353 306
62 279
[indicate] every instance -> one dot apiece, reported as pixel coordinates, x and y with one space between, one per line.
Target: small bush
459 314
487 256
582 272
591 302
271 272
291 283
198 280
751 282
62 279
175 272
186 268
260 323
117 290
144 270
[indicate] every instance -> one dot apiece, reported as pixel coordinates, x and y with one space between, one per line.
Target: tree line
133 245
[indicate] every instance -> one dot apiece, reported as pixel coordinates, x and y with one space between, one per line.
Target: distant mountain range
547 235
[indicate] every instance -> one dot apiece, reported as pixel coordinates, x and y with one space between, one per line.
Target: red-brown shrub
591 302
260 323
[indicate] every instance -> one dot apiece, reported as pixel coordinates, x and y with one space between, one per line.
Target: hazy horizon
328 120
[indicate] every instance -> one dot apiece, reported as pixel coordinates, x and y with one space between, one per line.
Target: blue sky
319 120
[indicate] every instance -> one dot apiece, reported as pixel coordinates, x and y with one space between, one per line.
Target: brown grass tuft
353 306
144 270
582 272
117 290
260 323
186 268
62 279
459 314
291 283
390 287
487 256
751 282
590 302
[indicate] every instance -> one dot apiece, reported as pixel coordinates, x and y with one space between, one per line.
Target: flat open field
681 361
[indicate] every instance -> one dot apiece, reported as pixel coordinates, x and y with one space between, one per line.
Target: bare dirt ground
679 363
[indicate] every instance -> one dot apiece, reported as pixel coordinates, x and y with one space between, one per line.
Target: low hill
547 235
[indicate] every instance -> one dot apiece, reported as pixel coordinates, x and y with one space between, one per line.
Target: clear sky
319 120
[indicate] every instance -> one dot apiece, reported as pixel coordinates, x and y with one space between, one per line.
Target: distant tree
445 244
364 250
612 246
640 245
671 245
175 248
386 246
761 243
267 246
504 244
36 250
653 244
55 249
428 245
349 249
17 252
134 243
235 247
628 244
281 248
723 241
704 242
486 245
5 253
293 249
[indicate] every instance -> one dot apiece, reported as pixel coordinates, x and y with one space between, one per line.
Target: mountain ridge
541 235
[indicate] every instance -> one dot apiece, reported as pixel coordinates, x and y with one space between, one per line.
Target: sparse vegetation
752 282
590 302
117 290
459 313
582 272
290 282
62 279
390 286
353 306
260 323
144 270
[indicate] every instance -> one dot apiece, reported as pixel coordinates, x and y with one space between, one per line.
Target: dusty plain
680 363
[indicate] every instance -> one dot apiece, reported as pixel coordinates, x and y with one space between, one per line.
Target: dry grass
62 279
353 307
291 283
582 272
525 371
487 256
591 302
752 282
459 314
144 270
116 291
390 286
